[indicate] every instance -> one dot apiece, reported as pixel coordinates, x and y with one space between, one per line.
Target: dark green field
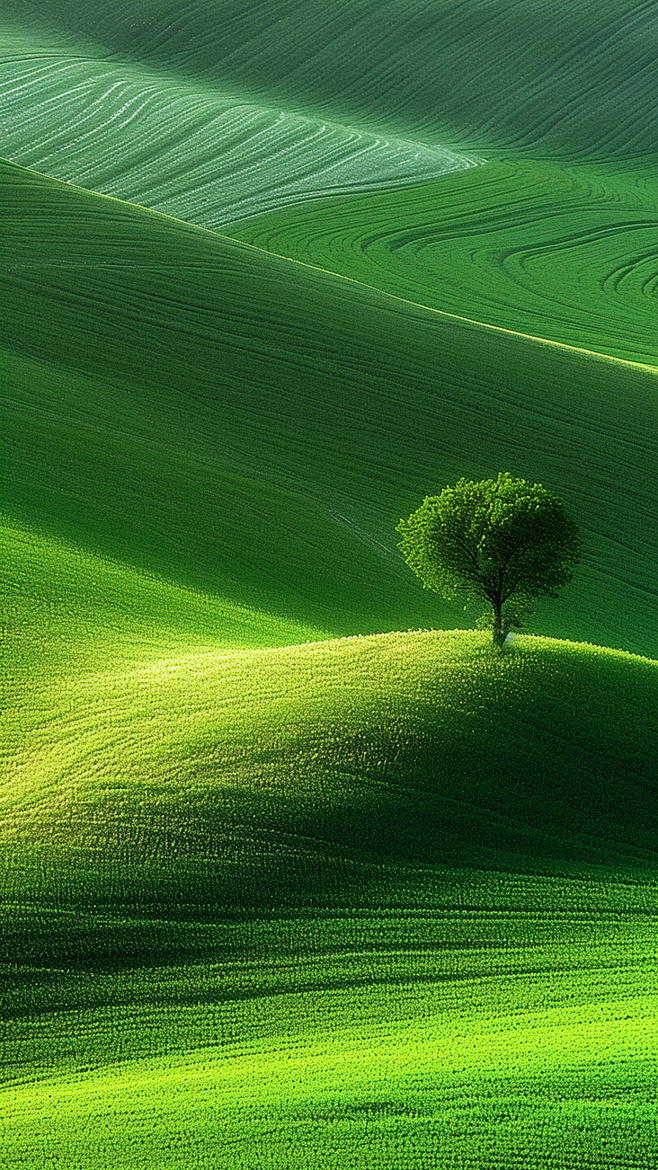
299 873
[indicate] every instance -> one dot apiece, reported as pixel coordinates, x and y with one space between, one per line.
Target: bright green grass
561 252
193 152
253 429
346 741
373 902
60 604
562 76
560 1087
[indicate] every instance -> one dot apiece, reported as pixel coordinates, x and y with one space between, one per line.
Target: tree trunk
498 632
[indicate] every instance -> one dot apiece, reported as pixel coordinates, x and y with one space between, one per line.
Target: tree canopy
503 541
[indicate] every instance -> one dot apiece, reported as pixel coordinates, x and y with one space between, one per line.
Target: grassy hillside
283 887
558 77
61 604
252 428
195 151
378 899
340 744
561 252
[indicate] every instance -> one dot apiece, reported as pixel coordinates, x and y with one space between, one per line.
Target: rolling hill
551 78
253 428
291 879
375 900
555 251
192 151
562 248
206 115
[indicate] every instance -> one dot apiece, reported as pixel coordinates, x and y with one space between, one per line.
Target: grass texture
59 601
254 429
552 78
373 902
275 895
555 251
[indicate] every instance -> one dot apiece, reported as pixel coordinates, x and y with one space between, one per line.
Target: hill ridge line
562 345
153 665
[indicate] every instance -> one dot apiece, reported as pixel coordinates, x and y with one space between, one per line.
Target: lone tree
504 541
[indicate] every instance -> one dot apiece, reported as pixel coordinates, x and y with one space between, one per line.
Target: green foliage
496 540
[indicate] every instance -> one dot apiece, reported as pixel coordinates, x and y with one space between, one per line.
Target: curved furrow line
195 154
527 246
567 272
574 80
650 287
634 272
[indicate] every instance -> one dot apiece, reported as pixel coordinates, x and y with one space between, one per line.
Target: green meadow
272 906
299 872
539 248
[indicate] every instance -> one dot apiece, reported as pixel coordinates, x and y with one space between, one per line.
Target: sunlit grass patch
542 1085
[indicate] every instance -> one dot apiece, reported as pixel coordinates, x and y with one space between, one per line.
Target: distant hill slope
570 77
389 892
195 151
564 252
558 249
253 428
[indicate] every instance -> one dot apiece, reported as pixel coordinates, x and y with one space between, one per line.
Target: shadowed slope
560 76
251 427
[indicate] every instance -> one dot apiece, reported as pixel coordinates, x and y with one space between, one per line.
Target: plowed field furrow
488 74
197 155
568 254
